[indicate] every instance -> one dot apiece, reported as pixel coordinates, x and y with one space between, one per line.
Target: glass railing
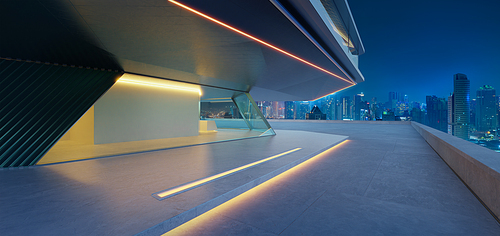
251 114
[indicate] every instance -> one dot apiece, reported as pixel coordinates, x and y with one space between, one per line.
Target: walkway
385 180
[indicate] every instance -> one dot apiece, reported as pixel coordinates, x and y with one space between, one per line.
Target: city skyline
453 37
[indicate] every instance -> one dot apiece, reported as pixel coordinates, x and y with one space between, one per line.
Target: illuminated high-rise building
460 117
338 109
450 114
302 110
498 110
290 110
358 99
472 111
346 108
486 109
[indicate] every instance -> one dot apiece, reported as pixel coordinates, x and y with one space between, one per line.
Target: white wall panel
134 111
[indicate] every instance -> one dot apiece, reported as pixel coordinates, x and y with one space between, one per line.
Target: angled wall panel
40 102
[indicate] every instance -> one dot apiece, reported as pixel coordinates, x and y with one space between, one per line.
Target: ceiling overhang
165 40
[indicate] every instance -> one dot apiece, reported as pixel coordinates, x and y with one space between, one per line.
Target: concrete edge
481 179
194 212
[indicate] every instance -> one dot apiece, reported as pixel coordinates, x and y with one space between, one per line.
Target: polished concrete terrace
385 180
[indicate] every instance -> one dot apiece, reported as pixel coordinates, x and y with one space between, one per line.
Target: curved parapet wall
478 167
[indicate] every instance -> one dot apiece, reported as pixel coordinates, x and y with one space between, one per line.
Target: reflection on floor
113 195
70 151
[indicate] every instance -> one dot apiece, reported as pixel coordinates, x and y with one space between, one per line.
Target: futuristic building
77 74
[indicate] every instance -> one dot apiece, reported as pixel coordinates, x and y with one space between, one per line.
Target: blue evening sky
415 47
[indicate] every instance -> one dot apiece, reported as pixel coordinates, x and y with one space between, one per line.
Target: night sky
415 47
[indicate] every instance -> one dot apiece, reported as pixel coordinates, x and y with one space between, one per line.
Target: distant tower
290 110
461 116
346 108
498 111
392 96
303 108
486 109
473 114
358 99
393 100
451 115
437 113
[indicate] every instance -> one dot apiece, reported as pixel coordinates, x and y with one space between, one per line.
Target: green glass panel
251 114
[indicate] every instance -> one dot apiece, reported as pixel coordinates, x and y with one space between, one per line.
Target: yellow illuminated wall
142 108
82 131
80 135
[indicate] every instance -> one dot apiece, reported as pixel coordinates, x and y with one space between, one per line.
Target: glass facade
461 101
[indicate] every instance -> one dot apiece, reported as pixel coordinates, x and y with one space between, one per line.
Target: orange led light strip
259 40
200 182
129 81
333 92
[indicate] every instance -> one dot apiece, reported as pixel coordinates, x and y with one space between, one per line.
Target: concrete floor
64 151
386 180
113 195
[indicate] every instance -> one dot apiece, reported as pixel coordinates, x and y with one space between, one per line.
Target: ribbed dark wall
40 102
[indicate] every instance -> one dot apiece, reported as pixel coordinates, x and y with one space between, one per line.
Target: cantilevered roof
239 45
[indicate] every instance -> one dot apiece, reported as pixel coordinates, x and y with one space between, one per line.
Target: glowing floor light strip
199 182
129 81
236 202
259 40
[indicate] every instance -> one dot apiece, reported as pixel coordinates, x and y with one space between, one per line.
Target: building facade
437 113
460 114
486 117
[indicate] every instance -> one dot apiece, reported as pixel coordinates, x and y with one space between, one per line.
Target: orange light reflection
259 40
239 201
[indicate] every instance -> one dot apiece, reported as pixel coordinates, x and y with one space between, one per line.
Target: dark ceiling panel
49 31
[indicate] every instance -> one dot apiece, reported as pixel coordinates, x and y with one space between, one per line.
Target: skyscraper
358 98
417 115
486 109
498 111
451 116
302 109
472 112
346 108
460 118
338 109
393 100
290 110
437 113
